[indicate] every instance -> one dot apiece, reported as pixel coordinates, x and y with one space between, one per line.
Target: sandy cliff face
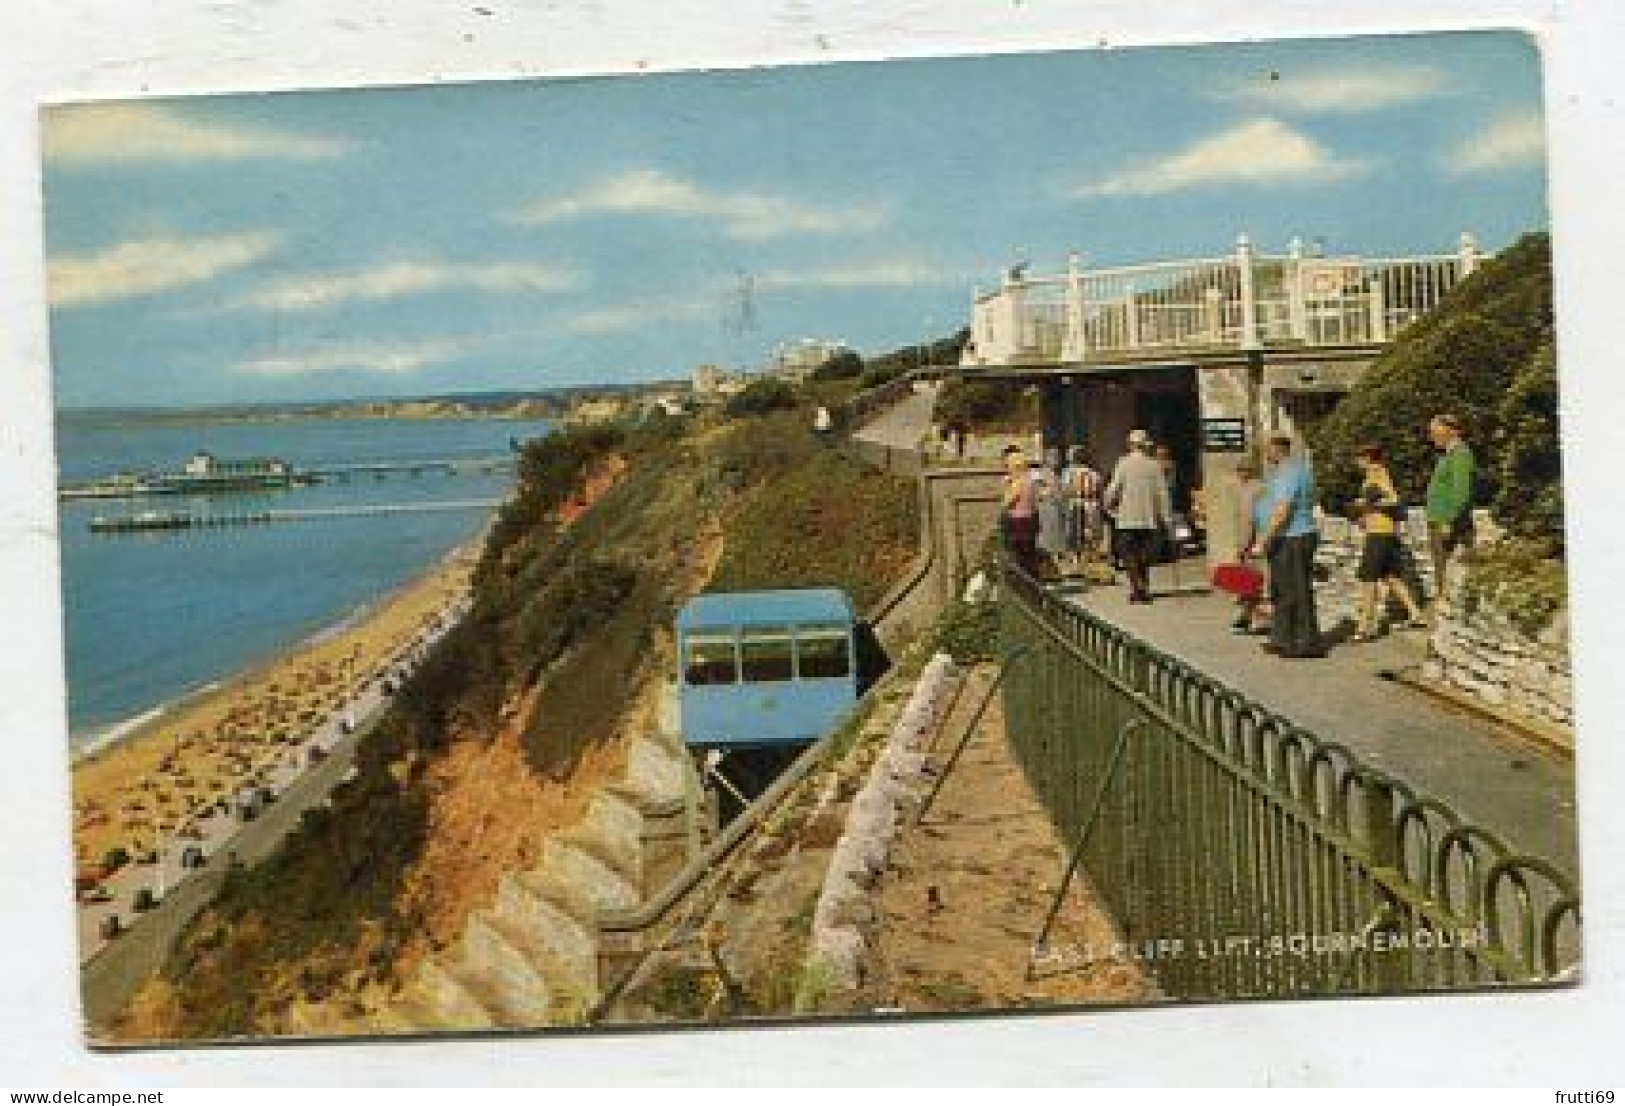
418 893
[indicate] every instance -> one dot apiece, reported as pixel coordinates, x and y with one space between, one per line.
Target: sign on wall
1228 435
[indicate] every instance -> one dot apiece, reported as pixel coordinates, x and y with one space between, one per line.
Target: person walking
1083 486
1018 511
1168 546
823 424
1252 518
1381 571
1050 501
1138 499
1288 542
1449 496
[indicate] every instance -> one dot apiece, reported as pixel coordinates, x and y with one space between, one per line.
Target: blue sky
536 234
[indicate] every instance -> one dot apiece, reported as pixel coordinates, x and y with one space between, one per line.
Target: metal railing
1245 300
1244 856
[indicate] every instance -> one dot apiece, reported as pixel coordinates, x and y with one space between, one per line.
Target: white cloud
125 132
1340 90
632 315
390 360
408 278
877 274
1511 142
1257 152
744 215
151 265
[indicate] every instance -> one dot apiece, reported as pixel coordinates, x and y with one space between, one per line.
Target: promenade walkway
1489 773
907 425
904 423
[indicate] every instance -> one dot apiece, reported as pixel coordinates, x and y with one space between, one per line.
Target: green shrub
761 396
763 449
968 632
988 406
825 520
842 365
1522 578
1485 354
1530 498
877 374
583 595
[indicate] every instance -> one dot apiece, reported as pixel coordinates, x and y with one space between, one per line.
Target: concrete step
451 1002
498 971
573 902
549 925
612 829
411 1012
593 879
655 776
572 986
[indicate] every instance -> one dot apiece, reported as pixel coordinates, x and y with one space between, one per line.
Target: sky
537 234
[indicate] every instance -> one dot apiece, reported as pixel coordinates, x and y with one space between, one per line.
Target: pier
154 521
134 486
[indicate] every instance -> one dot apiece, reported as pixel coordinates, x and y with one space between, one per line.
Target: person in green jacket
1449 496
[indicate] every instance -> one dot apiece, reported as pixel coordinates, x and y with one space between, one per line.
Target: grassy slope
327 910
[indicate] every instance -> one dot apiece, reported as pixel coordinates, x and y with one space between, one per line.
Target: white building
707 380
798 359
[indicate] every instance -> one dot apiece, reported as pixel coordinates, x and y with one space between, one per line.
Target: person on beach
1449 496
1019 511
1142 509
1289 541
1381 571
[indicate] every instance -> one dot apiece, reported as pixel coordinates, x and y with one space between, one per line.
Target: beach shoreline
97 739
158 767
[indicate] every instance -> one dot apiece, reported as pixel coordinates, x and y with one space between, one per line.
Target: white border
75 49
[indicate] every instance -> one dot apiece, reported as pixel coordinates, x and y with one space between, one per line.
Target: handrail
1229 819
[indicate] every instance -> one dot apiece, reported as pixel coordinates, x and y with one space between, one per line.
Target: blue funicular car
765 670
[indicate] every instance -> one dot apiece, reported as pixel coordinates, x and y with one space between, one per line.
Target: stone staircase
532 957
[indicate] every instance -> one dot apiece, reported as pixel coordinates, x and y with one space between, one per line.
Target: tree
762 395
987 405
843 364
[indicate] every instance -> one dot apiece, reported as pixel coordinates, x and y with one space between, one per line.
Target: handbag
1242 581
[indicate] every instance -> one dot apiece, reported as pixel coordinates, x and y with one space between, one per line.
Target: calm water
150 617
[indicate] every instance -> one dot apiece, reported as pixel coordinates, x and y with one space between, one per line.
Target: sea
154 616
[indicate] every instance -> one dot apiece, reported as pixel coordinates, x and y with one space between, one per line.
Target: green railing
1243 856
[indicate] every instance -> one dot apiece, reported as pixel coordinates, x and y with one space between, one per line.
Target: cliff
523 713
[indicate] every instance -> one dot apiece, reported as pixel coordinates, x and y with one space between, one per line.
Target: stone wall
838 943
1478 653
1484 655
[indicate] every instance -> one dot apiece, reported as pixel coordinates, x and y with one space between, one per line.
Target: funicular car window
711 660
824 652
766 655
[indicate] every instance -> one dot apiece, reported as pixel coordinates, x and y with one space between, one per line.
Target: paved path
902 425
1491 775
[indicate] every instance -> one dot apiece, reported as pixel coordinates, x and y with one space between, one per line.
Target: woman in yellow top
1020 511
1381 570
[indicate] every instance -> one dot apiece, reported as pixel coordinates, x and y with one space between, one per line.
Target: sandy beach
176 763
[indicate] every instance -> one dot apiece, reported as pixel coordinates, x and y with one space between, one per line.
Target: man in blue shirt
1289 541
